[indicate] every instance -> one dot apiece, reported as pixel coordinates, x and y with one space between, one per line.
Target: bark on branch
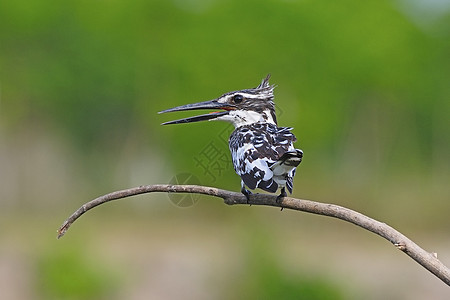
428 260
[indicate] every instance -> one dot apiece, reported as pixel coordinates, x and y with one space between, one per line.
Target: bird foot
247 194
280 197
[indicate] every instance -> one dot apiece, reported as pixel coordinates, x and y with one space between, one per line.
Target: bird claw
247 194
280 197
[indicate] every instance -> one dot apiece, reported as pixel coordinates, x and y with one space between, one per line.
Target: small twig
428 260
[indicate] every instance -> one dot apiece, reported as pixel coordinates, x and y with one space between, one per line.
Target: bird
262 153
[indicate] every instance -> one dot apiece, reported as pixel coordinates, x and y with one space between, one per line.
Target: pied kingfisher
263 154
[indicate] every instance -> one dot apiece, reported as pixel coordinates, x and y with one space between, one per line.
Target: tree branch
428 260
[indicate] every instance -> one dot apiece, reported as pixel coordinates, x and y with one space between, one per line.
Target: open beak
212 104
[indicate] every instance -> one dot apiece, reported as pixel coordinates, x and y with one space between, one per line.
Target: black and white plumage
263 154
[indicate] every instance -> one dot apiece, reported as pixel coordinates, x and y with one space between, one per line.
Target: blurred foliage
266 278
69 274
363 83
98 70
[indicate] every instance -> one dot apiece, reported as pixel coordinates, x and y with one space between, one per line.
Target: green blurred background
365 84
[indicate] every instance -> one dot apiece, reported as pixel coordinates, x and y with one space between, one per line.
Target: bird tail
287 162
285 166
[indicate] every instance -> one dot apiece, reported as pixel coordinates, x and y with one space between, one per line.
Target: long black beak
212 104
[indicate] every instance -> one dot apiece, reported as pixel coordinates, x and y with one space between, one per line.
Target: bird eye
238 99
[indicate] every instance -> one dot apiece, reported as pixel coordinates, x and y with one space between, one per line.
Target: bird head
240 108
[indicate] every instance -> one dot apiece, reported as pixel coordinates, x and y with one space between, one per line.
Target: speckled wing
255 149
